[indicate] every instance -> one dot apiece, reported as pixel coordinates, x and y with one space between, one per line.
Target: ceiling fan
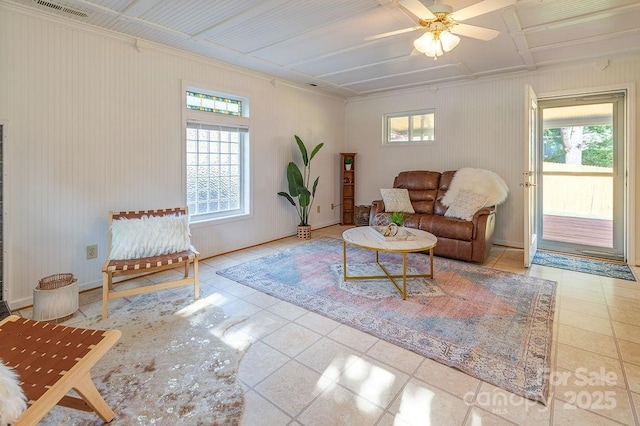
441 24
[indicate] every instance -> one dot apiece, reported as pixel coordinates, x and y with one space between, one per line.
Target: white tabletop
365 236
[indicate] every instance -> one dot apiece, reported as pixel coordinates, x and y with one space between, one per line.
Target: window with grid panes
215 157
409 127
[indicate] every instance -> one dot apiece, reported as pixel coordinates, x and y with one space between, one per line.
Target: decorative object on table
298 187
55 298
381 219
393 232
348 188
493 325
397 218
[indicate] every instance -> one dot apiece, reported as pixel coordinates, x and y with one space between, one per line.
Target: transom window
409 127
211 103
216 156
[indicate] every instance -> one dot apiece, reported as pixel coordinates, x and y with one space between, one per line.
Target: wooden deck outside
579 230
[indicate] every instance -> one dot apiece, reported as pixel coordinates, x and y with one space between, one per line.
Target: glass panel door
582 201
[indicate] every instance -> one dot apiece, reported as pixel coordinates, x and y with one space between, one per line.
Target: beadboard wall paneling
479 124
95 125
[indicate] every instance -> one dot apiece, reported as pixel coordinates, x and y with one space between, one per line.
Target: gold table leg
402 290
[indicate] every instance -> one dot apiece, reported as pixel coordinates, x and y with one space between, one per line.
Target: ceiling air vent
61 8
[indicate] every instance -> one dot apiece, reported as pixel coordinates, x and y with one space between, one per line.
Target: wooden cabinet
347 187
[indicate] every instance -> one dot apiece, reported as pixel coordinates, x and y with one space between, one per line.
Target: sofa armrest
480 218
377 206
483 212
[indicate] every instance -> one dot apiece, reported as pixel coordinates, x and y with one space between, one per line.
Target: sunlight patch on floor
373 380
213 300
415 406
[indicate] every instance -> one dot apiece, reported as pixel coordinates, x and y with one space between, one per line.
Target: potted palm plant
298 187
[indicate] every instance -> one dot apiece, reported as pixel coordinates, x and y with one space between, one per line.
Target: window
216 157
409 127
211 103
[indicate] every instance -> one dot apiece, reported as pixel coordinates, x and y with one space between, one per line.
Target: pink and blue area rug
493 325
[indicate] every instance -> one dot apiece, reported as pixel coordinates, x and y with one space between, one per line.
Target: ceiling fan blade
481 8
392 33
418 9
472 31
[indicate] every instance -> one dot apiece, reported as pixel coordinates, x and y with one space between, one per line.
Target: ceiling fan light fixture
448 40
434 44
423 43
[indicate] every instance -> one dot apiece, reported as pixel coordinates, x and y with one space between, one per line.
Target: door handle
527 184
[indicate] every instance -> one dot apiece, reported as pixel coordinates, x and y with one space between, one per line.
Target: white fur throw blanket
479 181
12 399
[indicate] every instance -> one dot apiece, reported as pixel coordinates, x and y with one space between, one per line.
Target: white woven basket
56 304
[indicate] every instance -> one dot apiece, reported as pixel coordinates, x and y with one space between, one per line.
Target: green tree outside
597 146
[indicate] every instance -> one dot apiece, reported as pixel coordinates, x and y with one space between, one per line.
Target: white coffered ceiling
322 42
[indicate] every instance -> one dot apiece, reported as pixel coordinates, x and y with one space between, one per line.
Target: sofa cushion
396 200
422 186
465 205
447 227
443 187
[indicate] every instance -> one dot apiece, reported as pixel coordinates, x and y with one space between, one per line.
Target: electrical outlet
92 251
318 209
333 206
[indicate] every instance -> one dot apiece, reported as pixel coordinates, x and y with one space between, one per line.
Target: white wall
478 124
93 125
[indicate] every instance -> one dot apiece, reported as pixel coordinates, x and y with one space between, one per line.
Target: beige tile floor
301 368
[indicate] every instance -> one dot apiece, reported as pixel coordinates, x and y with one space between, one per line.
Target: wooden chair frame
51 360
148 265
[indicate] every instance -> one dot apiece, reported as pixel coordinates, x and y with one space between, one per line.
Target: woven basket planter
56 298
304 232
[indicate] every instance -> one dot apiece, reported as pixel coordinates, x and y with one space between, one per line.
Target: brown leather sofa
457 238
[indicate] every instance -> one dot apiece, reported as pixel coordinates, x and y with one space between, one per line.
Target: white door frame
631 239
530 175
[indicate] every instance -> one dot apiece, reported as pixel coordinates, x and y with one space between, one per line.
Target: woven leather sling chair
147 265
52 359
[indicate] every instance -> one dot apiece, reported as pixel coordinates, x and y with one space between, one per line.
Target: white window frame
212 120
386 138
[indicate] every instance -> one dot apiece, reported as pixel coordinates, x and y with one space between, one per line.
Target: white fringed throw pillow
149 236
12 399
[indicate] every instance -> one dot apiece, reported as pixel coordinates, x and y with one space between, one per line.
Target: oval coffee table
368 238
